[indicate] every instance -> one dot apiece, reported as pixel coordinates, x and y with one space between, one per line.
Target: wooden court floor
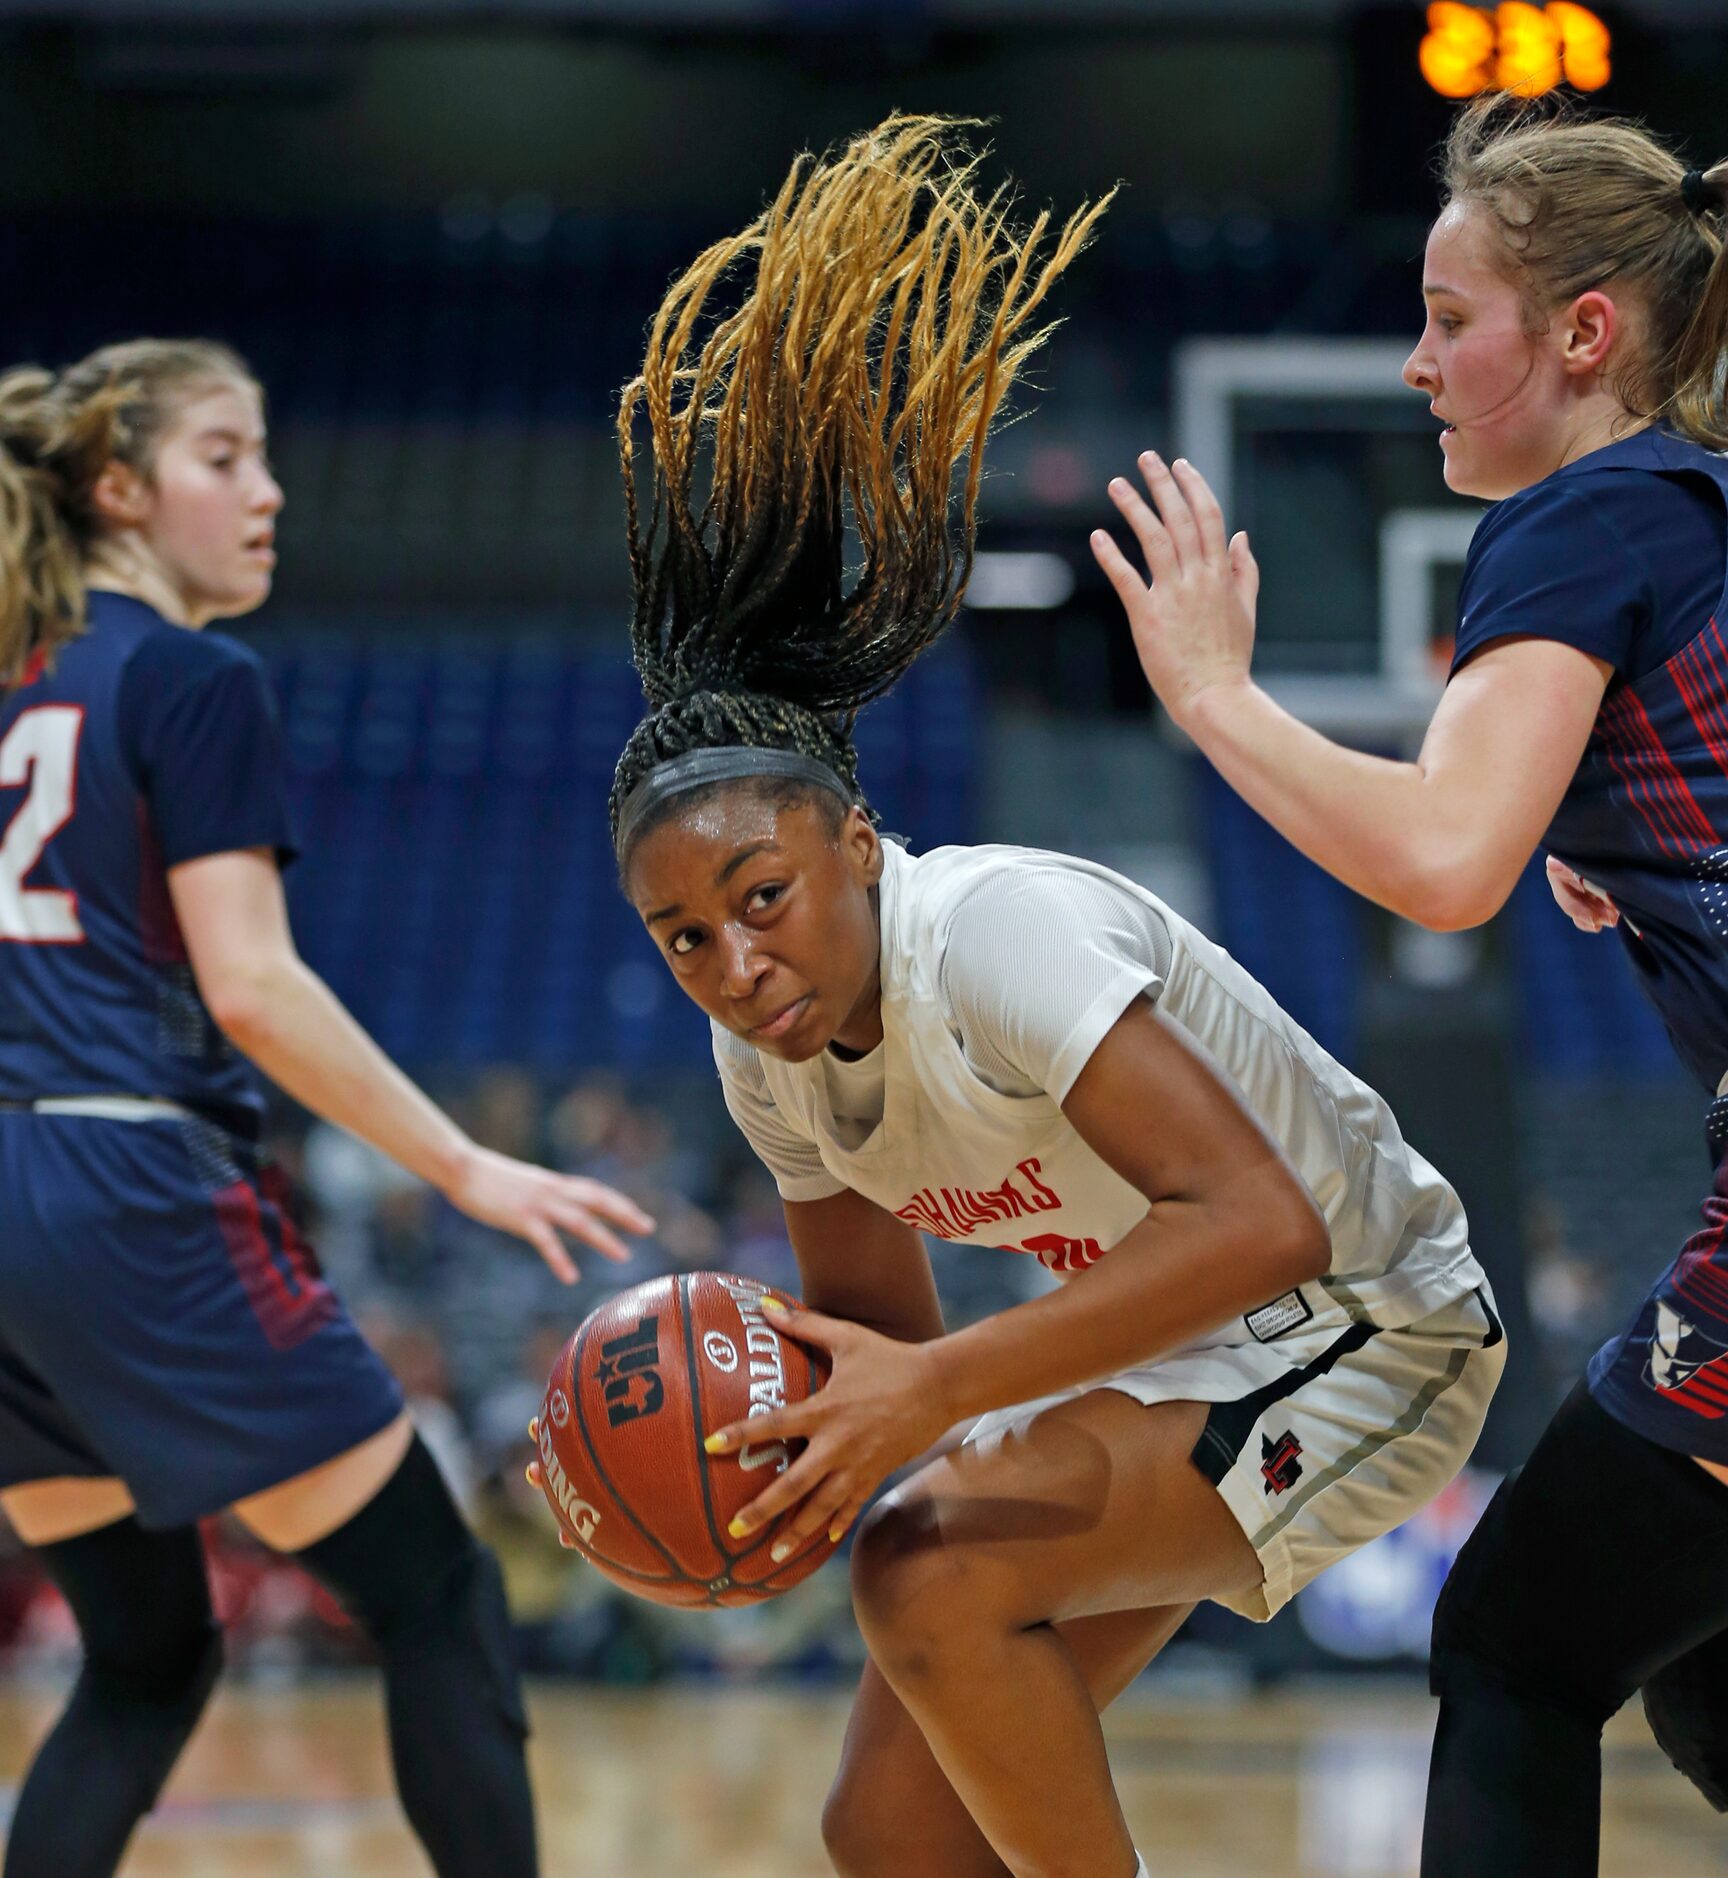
694 1784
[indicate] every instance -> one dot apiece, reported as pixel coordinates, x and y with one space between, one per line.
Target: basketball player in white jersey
1271 1342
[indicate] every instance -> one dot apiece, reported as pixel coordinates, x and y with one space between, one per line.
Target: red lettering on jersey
1044 1198
1007 1201
917 1214
958 1212
1059 1254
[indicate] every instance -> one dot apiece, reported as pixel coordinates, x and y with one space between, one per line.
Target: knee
461 1626
859 1835
918 1599
872 1827
1468 1618
1507 1628
1688 1714
407 1561
1483 1617
173 1668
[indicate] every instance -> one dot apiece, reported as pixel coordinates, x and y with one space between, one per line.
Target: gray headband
680 774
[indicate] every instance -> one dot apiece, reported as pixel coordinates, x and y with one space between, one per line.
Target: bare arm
274 1008
1441 841
1229 1226
857 1262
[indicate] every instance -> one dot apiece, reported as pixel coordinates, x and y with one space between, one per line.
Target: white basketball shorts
1362 1430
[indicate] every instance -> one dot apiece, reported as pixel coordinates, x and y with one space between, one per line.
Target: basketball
630 1399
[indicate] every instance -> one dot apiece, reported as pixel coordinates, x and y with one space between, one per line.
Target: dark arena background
436 231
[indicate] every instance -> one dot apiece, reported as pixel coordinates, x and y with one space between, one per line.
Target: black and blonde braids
881 311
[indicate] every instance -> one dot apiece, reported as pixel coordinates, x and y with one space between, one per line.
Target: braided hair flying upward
829 369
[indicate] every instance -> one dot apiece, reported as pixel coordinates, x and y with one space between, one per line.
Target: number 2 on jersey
40 749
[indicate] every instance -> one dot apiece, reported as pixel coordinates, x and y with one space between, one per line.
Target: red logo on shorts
1687 1364
1279 1463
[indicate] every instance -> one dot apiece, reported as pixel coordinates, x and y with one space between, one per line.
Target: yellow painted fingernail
715 1444
836 1534
781 1552
737 1529
528 1475
774 1304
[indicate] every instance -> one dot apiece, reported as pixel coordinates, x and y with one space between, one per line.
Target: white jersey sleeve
1040 962
791 1157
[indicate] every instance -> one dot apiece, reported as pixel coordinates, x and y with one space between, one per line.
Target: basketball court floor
1322 1783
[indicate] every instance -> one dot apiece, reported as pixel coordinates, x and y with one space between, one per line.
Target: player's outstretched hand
1581 900
881 1408
539 1206
1193 623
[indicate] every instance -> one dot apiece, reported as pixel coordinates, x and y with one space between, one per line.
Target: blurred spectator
501 1416
504 1112
584 1121
1570 1296
755 1230
343 1177
361 1207
417 1359
596 1130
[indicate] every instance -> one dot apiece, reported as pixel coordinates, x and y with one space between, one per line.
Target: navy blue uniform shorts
162 1320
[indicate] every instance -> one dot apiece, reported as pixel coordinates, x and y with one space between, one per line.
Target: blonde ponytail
1699 403
1579 202
58 432
50 456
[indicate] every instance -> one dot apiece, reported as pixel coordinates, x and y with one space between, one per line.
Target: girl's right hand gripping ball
631 1398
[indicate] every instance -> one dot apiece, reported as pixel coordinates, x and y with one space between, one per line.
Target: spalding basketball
646 1378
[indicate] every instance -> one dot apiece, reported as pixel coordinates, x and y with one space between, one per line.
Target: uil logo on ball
721 1351
629 1373
558 1407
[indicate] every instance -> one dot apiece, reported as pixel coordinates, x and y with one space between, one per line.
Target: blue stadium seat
1294 927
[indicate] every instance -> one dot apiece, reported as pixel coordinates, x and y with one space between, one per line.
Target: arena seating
441 389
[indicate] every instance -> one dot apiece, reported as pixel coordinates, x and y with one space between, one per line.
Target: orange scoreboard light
1513 47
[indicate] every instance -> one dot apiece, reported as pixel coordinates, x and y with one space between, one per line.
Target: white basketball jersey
1002 970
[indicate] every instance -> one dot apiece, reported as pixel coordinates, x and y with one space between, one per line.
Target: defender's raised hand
1193 623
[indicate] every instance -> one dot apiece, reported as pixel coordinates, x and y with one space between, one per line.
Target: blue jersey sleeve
204 740
1553 563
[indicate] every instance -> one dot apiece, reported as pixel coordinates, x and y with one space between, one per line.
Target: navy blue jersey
1624 554
147 745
